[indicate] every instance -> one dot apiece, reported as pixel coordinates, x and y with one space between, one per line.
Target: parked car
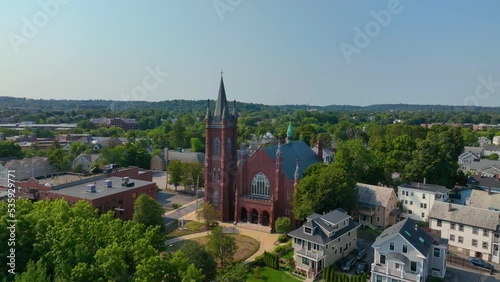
348 264
360 254
481 263
361 267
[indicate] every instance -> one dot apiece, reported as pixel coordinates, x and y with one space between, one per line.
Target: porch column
259 219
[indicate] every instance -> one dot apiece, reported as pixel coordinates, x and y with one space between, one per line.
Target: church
250 190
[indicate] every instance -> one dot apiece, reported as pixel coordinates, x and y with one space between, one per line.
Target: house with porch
405 252
377 206
323 240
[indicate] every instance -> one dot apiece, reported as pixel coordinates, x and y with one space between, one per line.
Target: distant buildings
124 123
26 168
160 162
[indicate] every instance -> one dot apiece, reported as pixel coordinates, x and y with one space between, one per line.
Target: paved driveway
454 274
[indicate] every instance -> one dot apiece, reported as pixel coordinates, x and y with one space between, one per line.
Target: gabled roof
374 195
91 158
475 150
290 152
409 230
466 215
486 182
185 157
320 223
483 164
482 199
492 147
469 155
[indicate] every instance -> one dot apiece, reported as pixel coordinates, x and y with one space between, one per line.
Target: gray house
323 240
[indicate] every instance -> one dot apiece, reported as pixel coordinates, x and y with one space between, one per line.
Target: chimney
497 176
450 208
416 227
489 190
320 150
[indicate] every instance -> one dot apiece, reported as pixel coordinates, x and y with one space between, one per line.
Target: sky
271 52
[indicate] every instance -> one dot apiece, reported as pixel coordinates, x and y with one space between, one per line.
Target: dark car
361 267
481 263
360 254
348 264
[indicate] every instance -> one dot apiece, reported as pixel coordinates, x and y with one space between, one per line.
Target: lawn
247 246
270 274
191 227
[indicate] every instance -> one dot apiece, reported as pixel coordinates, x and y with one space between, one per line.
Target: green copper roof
289 132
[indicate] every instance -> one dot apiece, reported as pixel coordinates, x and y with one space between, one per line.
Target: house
26 168
491 149
323 240
160 162
328 155
418 198
86 161
479 151
377 206
252 190
487 168
405 252
483 141
489 200
496 140
472 231
467 158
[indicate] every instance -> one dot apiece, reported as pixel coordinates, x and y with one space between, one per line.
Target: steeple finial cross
221 73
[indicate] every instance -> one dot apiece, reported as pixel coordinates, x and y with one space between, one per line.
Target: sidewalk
265 240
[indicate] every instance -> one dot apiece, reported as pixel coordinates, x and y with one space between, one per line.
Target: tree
209 213
221 246
60 160
192 274
493 157
233 273
10 149
192 175
34 272
283 225
197 145
148 211
198 255
174 171
332 187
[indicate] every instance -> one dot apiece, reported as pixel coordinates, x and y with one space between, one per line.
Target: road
176 214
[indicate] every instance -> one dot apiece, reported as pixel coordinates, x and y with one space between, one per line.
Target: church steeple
289 133
221 109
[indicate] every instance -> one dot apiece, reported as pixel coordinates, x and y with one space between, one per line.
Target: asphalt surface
185 209
455 274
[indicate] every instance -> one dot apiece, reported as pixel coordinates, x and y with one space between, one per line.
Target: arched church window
216 147
260 185
229 147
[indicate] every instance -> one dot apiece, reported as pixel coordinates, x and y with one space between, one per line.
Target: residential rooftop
425 187
472 216
483 199
374 195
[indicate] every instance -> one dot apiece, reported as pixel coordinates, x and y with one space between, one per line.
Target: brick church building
253 191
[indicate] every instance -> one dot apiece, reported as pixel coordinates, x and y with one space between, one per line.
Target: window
349 234
412 194
406 193
423 215
216 147
452 237
439 223
229 147
307 230
379 278
423 206
382 259
485 232
340 249
460 239
474 242
475 230
406 202
452 226
410 211
485 245
413 266
391 246
396 265
411 203
260 185
423 196
461 227
405 249
378 219
437 252
305 261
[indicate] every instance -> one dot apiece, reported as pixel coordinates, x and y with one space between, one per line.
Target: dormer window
307 230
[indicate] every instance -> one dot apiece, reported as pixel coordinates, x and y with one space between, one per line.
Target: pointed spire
207 116
221 105
289 133
297 169
234 108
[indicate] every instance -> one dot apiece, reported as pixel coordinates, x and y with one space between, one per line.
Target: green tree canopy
222 246
148 211
283 225
10 149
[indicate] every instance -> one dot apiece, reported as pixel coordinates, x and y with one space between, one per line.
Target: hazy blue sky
272 52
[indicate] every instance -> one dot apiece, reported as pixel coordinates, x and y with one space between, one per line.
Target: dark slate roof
426 187
289 153
407 228
321 222
221 104
483 181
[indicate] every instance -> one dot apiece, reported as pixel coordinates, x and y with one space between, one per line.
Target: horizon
325 53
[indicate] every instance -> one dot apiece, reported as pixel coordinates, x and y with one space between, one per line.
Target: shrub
256 272
176 206
282 238
271 260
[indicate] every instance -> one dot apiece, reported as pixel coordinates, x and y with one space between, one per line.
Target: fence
462 262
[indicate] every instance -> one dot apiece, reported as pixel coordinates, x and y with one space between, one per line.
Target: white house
323 240
418 198
26 168
405 252
86 161
470 230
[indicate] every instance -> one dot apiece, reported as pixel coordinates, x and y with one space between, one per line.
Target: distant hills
200 105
